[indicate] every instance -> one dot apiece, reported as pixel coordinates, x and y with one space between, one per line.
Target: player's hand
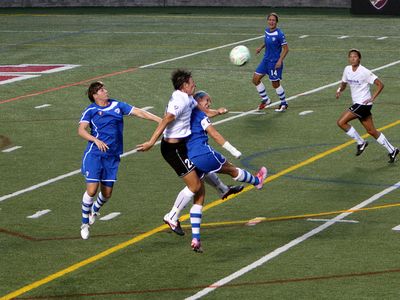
222 110
368 101
103 147
278 64
338 93
144 147
258 50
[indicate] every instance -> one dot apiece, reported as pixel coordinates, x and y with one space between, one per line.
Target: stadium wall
173 3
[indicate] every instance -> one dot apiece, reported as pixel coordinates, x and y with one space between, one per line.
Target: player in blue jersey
104 118
276 49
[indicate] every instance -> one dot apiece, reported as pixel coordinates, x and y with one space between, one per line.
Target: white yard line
39 214
110 216
290 245
328 220
34 187
43 106
11 149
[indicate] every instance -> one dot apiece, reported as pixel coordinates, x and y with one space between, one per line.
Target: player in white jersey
176 128
360 78
104 118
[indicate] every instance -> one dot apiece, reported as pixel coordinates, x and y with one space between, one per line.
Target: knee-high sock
100 201
183 198
262 92
245 176
354 135
213 180
195 220
87 203
281 94
385 143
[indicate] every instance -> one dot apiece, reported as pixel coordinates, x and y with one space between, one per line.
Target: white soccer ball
239 55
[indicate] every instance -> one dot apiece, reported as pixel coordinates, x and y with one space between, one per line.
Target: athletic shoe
282 108
175 226
85 231
361 148
92 216
196 246
264 104
261 175
392 156
233 189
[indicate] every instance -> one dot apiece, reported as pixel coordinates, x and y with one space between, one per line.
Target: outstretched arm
168 118
138 112
212 132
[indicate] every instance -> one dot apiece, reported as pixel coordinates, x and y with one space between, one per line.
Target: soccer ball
239 55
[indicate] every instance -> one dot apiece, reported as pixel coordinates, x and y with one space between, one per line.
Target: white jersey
181 106
359 82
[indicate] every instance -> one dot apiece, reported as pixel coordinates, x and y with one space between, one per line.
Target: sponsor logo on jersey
378 4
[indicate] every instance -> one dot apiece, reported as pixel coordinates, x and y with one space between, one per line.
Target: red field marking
28 68
233 285
68 85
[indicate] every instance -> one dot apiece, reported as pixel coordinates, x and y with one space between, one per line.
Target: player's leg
262 91
243 175
343 123
368 124
195 219
224 190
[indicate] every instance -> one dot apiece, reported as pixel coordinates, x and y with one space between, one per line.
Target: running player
359 78
276 49
101 158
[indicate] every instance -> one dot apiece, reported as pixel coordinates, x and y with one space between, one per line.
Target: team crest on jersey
117 111
378 4
100 113
176 107
273 39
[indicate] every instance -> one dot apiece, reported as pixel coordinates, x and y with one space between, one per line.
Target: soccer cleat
233 189
196 245
361 148
393 155
92 216
264 104
282 108
261 175
175 226
85 231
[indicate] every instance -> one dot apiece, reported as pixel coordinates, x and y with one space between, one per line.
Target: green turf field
313 170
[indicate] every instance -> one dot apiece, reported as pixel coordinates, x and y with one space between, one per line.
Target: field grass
313 170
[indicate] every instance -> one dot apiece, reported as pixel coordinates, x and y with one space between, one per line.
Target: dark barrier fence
375 7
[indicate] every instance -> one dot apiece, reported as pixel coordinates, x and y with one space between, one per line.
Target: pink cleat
196 245
261 175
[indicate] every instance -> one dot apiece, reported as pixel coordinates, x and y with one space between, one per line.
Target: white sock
281 94
262 92
87 203
354 135
213 180
183 198
385 143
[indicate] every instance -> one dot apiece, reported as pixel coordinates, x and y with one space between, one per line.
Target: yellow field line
140 237
283 218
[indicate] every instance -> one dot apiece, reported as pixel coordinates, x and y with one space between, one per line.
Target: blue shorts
268 68
209 162
97 168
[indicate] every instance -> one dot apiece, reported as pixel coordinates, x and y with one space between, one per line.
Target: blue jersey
107 125
273 44
197 142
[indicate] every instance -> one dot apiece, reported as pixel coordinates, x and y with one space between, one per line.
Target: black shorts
176 155
361 111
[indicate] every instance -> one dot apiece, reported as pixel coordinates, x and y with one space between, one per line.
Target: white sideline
34 187
289 245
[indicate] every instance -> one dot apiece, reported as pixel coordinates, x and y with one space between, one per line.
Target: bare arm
83 133
168 118
285 51
340 89
145 115
378 90
212 132
259 49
